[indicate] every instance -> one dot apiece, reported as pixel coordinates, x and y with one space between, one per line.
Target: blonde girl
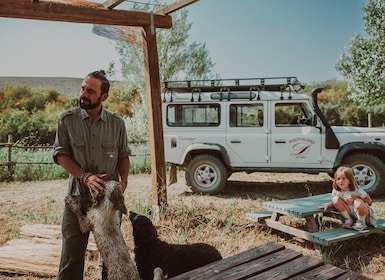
350 200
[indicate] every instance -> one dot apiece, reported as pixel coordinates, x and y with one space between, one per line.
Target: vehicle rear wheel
206 174
369 172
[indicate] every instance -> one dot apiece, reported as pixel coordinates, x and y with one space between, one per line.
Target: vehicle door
294 139
247 133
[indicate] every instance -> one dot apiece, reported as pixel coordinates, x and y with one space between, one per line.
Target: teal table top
299 207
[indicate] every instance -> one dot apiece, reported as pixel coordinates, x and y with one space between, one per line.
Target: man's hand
95 183
322 207
349 199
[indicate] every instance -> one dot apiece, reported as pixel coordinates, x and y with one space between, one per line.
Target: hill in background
67 86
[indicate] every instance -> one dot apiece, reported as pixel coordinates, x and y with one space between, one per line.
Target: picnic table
307 208
268 261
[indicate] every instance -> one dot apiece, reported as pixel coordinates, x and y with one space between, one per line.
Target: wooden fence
14 145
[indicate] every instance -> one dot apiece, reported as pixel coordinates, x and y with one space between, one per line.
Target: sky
245 39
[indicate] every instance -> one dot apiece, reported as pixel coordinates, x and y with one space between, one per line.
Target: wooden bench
268 261
328 237
306 207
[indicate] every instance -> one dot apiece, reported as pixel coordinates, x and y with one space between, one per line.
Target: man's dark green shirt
95 146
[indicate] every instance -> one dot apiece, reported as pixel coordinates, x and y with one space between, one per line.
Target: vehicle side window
245 115
292 114
196 115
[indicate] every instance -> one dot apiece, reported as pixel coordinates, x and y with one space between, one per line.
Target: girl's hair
101 75
348 172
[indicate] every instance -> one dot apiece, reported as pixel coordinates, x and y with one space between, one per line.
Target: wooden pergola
80 11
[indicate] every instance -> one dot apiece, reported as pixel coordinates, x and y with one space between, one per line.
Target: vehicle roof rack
233 85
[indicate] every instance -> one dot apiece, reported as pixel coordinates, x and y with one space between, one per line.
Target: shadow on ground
273 190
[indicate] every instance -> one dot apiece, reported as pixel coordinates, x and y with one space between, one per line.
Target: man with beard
91 144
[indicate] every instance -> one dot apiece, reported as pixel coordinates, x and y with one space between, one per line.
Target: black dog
173 259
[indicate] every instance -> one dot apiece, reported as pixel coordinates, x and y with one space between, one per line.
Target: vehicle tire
206 174
369 172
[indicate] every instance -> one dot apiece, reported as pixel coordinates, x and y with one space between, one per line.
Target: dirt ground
244 193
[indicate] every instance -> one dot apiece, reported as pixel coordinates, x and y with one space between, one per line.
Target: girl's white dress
372 219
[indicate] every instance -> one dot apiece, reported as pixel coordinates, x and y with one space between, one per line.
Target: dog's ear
117 200
96 201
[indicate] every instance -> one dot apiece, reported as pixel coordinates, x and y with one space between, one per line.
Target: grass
218 220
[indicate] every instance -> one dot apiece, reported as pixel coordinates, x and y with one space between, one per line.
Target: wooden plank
258 216
328 237
175 6
213 269
324 272
325 238
37 252
268 261
41 231
298 207
110 4
288 229
258 266
350 275
55 11
25 256
50 232
290 269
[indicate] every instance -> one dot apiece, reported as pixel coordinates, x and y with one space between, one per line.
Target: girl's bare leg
342 207
361 209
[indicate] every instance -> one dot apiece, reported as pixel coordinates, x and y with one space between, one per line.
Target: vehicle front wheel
369 172
206 174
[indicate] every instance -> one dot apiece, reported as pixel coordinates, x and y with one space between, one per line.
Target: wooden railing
10 145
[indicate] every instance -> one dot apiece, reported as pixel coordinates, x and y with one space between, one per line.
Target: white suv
217 127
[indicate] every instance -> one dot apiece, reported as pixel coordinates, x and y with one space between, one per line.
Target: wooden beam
55 11
175 6
288 229
154 104
110 4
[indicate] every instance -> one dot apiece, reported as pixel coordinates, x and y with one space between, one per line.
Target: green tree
339 109
363 65
178 59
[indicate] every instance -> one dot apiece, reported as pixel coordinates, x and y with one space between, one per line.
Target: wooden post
9 160
154 104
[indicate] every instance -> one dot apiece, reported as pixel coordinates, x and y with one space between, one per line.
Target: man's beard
89 106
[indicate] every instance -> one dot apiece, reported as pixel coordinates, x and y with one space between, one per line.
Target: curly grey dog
103 218
173 259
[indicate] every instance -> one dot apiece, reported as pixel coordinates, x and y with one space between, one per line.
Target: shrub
30 114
